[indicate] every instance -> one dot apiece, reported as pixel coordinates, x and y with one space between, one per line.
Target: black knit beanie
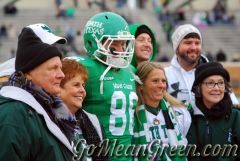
143 29
208 69
31 51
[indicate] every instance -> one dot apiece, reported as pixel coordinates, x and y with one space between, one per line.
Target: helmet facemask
107 54
102 32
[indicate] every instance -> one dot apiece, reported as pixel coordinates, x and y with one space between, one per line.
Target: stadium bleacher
215 37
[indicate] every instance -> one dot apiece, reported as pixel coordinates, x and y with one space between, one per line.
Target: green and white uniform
150 125
115 106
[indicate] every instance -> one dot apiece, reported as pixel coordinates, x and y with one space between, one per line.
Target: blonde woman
155 116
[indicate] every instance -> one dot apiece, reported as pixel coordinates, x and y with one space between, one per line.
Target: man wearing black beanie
32 50
145 48
35 33
29 126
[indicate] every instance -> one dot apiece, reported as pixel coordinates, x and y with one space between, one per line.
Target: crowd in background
219 15
117 92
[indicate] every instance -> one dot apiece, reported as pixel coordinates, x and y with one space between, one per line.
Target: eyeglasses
212 84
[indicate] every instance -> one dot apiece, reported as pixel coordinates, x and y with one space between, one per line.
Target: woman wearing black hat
215 128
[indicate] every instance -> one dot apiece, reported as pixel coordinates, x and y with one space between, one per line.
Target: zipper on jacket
208 133
208 128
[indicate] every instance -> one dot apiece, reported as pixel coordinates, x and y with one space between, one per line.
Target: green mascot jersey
115 106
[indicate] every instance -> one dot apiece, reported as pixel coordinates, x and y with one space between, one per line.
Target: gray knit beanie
181 32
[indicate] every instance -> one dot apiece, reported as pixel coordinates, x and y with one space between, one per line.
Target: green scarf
174 139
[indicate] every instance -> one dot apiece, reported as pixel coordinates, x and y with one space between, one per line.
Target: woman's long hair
143 70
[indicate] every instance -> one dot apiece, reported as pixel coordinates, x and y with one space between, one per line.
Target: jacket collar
25 97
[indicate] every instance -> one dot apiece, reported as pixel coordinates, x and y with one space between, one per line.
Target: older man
46 36
29 128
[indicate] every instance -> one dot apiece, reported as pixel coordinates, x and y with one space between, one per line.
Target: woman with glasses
215 128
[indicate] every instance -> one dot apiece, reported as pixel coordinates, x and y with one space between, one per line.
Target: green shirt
115 106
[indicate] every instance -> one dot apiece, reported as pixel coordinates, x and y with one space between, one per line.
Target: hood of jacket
11 93
133 29
7 67
4 100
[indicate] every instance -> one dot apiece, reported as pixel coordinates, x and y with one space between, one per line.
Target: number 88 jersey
115 106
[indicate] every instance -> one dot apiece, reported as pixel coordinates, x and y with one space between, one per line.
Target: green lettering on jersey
151 129
119 122
155 132
164 130
119 103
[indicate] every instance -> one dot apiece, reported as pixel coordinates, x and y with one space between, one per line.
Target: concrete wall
203 5
41 4
47 4
208 4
